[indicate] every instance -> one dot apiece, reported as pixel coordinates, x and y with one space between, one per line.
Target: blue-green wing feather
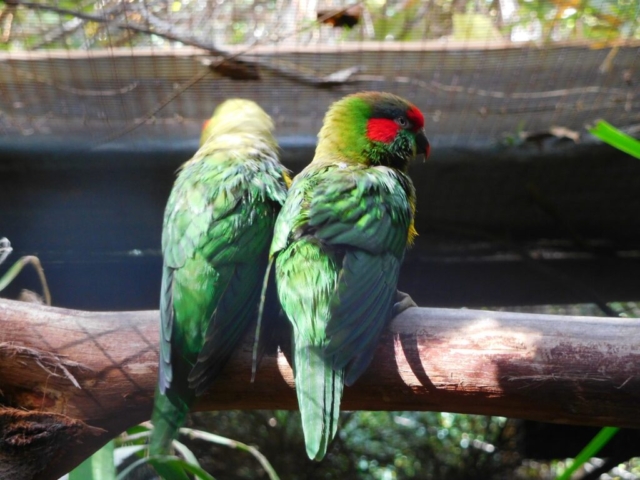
228 325
196 205
360 308
367 213
165 374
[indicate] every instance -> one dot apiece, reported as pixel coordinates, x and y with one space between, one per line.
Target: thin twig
165 30
329 80
45 360
72 25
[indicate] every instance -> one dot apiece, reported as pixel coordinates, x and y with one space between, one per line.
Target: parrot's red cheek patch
382 130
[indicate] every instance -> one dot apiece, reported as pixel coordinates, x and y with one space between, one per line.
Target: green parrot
338 244
218 225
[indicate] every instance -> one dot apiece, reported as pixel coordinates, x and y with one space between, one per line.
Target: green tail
319 390
169 414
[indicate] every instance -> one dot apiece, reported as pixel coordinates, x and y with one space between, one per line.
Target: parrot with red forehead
338 244
218 225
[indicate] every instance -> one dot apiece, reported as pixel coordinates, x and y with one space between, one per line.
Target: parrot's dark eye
402 121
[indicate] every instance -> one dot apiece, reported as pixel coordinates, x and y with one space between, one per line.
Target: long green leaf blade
227 442
187 454
99 466
172 468
614 137
592 448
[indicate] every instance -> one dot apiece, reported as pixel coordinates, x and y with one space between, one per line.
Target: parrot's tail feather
263 299
167 418
319 389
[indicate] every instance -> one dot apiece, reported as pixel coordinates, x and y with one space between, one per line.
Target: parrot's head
237 115
375 128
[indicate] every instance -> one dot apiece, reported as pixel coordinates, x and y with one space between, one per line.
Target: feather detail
319 389
169 414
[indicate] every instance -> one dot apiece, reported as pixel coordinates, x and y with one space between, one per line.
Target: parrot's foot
403 301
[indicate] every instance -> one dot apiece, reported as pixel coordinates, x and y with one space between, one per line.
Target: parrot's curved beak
423 144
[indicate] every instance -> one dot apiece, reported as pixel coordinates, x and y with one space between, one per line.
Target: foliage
224 22
132 459
369 445
573 19
172 467
617 139
16 268
592 449
99 466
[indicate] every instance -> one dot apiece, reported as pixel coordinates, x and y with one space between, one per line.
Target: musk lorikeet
218 225
338 244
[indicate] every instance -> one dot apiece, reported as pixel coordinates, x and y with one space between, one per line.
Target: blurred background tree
73 25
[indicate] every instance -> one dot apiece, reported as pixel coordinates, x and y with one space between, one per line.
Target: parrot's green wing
218 226
360 314
238 304
365 212
192 284
198 202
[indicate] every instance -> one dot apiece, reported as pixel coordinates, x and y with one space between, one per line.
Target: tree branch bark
71 380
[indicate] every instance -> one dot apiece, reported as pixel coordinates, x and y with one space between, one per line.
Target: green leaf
187 454
99 466
196 470
614 137
137 435
176 472
168 467
137 429
123 453
592 448
227 442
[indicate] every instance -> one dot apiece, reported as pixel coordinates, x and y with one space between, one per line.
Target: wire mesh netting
141 69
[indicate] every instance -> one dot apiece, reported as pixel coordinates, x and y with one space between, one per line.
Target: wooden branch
72 380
